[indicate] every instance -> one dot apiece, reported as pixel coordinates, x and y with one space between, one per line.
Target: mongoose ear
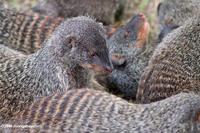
71 41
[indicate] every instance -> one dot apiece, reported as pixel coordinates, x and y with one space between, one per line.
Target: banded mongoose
106 11
63 63
130 54
174 13
174 66
24 32
91 111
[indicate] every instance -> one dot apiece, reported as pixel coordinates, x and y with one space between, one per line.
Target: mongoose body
25 33
130 55
174 66
106 11
91 111
63 62
174 13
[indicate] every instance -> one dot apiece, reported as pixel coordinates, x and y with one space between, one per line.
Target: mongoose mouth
118 60
98 68
143 32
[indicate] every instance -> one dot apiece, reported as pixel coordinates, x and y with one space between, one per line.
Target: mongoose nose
108 69
142 16
118 60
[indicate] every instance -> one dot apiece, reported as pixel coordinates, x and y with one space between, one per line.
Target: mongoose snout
140 30
129 53
143 31
118 60
99 68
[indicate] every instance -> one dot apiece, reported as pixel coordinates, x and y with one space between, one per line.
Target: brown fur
85 110
174 66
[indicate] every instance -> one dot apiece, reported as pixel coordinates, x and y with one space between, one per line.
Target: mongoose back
106 11
174 66
91 111
63 62
130 54
24 32
174 13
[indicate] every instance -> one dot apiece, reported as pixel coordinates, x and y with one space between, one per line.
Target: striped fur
174 66
23 32
85 110
174 13
63 63
130 54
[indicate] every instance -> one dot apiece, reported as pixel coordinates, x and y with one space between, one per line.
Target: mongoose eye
93 54
126 34
71 41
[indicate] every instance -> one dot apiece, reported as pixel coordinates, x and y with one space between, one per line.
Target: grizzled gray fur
130 54
174 66
92 111
174 13
63 62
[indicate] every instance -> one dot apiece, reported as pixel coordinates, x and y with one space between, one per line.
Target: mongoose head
81 41
132 36
174 13
166 23
165 30
128 52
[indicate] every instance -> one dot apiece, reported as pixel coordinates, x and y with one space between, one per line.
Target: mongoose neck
28 78
46 62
